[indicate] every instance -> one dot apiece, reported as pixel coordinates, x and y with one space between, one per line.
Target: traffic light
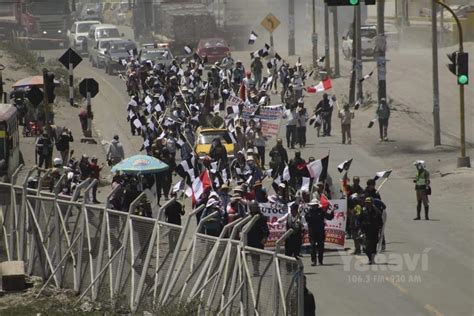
463 67
49 86
342 2
453 57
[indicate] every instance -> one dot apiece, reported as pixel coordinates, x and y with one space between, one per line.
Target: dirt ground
65 116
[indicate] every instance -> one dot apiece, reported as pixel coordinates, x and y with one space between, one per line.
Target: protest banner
233 101
274 211
270 128
335 228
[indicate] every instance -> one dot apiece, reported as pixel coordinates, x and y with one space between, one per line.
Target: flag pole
184 100
381 185
183 196
344 177
325 179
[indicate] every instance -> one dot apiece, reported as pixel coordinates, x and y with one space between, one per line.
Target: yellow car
205 137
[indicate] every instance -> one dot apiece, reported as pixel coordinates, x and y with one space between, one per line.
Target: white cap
57 161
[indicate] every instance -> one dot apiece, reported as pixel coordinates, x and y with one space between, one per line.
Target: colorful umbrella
31 81
140 164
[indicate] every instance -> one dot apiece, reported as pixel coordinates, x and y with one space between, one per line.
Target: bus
10 156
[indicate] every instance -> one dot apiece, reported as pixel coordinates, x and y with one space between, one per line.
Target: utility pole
314 37
336 42
2 95
358 44
380 48
326 39
291 27
441 24
434 36
45 96
354 64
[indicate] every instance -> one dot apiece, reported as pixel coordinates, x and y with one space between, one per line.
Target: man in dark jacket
297 167
62 145
279 158
371 191
371 221
325 110
218 153
173 214
316 217
44 150
295 240
257 235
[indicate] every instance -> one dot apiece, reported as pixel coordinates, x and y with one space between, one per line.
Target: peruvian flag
200 185
324 202
320 87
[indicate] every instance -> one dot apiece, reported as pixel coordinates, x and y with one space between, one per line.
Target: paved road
428 266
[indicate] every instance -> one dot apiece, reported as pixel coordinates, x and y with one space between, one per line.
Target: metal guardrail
143 263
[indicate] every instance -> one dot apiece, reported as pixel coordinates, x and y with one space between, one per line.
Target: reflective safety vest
422 178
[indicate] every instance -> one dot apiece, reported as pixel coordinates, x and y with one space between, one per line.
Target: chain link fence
140 264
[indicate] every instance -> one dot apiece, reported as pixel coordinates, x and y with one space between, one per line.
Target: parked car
78 34
157 53
368 37
215 49
97 53
117 55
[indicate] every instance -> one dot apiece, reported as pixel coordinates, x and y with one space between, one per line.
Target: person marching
315 218
295 240
422 188
346 116
371 222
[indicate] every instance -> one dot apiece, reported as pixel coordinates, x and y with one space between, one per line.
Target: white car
157 53
368 35
78 33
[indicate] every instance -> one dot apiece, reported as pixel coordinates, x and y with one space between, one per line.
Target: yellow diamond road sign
270 23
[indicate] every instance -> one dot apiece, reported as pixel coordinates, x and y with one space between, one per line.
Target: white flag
137 123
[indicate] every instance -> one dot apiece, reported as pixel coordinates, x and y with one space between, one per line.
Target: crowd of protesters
166 109
170 104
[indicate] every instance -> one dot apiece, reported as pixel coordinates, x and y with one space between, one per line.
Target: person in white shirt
301 118
290 116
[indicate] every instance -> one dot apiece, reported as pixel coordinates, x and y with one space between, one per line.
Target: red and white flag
200 185
320 87
324 202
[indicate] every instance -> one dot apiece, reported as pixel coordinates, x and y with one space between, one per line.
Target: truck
33 20
183 23
235 19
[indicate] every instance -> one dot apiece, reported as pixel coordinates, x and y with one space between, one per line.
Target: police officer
315 217
422 188
371 221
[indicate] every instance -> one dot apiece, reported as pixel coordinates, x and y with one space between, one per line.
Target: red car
214 48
